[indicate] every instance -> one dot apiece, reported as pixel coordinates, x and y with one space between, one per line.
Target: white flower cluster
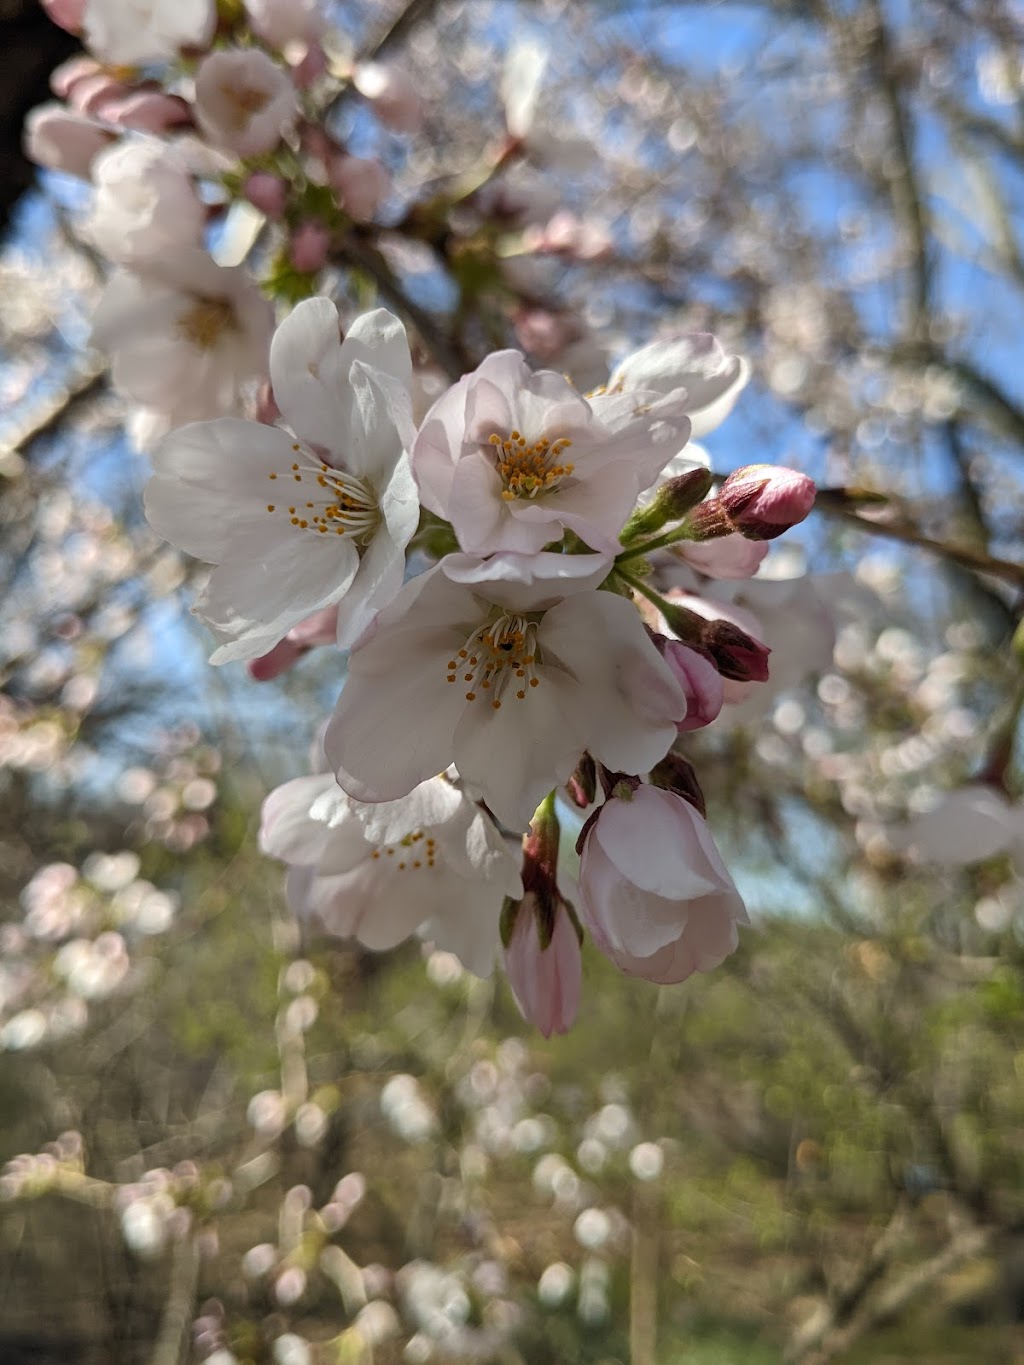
513 664
483 570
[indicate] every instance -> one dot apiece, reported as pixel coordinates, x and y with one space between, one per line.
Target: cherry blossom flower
184 337
695 361
966 826
244 101
729 557
431 863
510 668
546 978
146 203
135 32
361 184
653 889
281 22
298 523
513 458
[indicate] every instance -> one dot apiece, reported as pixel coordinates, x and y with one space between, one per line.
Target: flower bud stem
685 625
673 537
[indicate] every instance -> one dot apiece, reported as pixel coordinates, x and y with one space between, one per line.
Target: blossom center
242 103
527 470
414 852
499 657
206 321
328 501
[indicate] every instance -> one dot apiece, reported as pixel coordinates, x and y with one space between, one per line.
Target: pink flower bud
736 654
310 68
763 500
277 661
391 92
319 629
705 626
267 411
360 184
65 77
148 111
543 333
546 980
654 891
62 141
699 679
309 246
91 93
266 192
65 13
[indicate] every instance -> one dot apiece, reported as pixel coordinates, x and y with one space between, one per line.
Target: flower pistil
498 656
527 470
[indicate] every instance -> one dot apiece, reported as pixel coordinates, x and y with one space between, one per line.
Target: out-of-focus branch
81 383
415 12
171 1345
446 349
905 188
834 503
894 1298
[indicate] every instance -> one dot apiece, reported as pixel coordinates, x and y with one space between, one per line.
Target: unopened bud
671 502
309 246
266 192
67 13
582 786
734 653
543 964
698 677
677 774
763 500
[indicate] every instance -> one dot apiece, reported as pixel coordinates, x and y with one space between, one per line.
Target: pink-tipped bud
699 679
266 192
312 65
65 77
66 14
319 629
62 141
546 977
359 183
277 661
267 411
677 774
147 111
763 500
582 785
90 94
309 246
734 653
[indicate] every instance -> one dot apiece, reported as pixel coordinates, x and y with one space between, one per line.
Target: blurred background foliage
227 1135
